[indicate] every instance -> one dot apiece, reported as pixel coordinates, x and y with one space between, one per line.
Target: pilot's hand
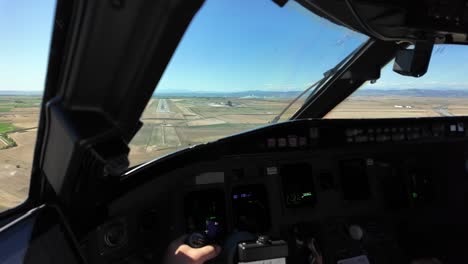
315 257
180 253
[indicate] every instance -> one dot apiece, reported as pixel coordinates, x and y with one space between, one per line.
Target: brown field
247 119
15 162
205 122
175 123
377 107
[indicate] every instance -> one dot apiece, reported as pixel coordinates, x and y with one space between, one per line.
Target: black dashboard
393 190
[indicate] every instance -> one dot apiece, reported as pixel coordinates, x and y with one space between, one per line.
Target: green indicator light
307 194
414 195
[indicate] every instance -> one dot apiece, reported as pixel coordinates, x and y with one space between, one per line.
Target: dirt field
175 123
21 114
376 107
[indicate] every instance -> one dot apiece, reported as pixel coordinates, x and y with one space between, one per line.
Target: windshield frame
343 42
372 54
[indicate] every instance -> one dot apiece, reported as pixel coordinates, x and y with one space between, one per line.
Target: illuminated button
292 141
271 170
362 138
426 132
349 132
271 143
382 138
453 128
413 135
282 142
314 132
302 141
438 129
398 137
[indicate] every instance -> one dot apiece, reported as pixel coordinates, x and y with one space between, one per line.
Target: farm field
173 123
399 107
176 123
18 127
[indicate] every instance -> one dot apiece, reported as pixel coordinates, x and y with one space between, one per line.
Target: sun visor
413 61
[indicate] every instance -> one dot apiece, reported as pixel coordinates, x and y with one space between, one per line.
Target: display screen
250 208
354 181
298 185
205 212
421 187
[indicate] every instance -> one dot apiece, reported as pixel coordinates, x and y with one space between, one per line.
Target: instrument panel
319 182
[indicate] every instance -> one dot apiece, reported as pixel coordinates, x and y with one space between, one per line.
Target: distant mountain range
245 94
21 93
414 92
289 94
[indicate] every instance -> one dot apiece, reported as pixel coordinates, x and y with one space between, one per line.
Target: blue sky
232 45
447 70
25 32
256 45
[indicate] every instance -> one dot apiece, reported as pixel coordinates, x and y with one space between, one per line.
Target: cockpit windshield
239 64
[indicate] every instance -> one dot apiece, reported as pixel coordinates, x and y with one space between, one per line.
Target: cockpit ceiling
437 21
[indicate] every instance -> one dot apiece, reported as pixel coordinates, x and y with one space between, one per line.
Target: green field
5 140
19 110
6 127
7 103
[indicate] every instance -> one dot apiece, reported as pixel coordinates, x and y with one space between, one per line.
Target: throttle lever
196 240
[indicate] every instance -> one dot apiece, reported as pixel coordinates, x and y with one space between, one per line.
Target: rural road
442 110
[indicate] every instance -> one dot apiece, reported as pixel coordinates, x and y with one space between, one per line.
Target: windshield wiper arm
277 118
314 85
318 83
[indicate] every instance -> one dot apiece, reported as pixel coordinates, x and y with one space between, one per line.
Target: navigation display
250 208
354 180
298 185
205 212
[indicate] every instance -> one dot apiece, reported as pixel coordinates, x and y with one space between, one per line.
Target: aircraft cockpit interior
366 162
